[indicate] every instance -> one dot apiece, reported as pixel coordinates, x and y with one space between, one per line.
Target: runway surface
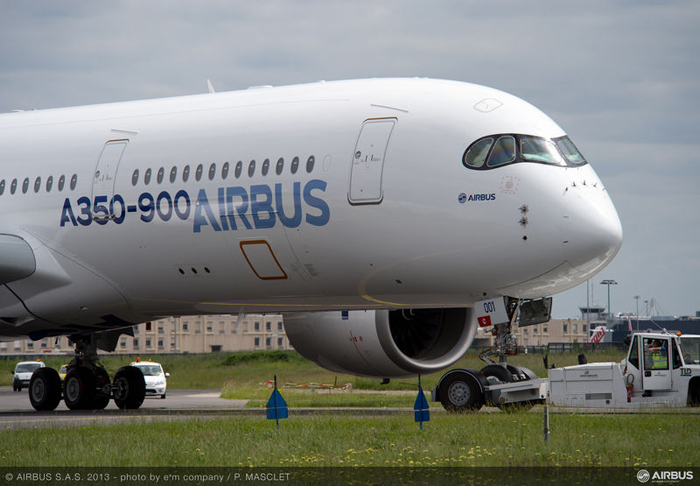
16 411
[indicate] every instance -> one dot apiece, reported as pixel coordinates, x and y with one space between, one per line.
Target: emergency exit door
368 161
105 178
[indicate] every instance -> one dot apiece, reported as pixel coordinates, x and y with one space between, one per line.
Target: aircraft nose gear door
368 161
105 177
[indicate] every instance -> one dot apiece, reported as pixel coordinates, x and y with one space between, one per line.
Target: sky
621 77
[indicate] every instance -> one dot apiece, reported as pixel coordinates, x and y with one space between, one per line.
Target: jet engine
383 343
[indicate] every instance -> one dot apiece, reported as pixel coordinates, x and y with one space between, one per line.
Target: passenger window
147 177
476 154
49 184
310 164
280 166
73 182
212 172
239 169
224 170
198 173
25 185
251 168
266 167
135 177
295 165
161 175
2 187
186 173
37 184
173 175
503 152
13 186
61 182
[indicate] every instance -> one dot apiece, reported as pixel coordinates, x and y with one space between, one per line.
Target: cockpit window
570 151
503 152
498 150
534 149
476 154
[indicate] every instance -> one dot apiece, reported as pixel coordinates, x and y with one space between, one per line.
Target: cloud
621 77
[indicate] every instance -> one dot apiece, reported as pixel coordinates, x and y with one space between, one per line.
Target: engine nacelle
383 343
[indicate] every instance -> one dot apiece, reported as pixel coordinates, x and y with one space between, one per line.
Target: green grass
478 440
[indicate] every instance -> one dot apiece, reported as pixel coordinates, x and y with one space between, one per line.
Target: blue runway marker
277 406
421 407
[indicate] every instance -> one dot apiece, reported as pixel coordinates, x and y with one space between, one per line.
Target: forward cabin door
105 177
368 161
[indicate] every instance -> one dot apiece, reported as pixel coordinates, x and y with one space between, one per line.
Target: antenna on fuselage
210 86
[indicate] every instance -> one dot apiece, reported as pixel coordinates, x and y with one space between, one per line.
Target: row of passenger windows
498 150
49 186
13 186
225 170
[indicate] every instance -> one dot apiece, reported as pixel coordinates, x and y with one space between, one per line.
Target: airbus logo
230 208
643 476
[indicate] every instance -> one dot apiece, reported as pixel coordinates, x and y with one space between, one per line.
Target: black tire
45 389
162 396
460 392
129 388
499 372
79 389
694 393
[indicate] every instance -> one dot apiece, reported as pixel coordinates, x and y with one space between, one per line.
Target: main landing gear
87 385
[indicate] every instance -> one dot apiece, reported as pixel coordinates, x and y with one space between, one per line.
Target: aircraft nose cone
596 232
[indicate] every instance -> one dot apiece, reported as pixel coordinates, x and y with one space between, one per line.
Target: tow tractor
660 370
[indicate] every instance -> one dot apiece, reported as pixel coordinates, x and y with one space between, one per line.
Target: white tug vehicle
660 370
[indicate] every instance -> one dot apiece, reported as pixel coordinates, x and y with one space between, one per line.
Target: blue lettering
67 213
147 206
222 209
259 207
232 208
482 197
317 203
182 213
164 196
117 199
295 220
208 217
84 211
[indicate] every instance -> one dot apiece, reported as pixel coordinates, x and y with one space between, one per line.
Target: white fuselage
378 211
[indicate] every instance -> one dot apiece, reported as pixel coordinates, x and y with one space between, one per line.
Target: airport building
187 334
215 333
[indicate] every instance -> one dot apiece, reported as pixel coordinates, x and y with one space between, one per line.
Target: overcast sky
621 77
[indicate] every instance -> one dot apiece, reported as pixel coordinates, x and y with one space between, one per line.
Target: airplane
373 214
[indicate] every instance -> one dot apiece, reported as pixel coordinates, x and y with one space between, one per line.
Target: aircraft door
368 161
105 178
656 365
